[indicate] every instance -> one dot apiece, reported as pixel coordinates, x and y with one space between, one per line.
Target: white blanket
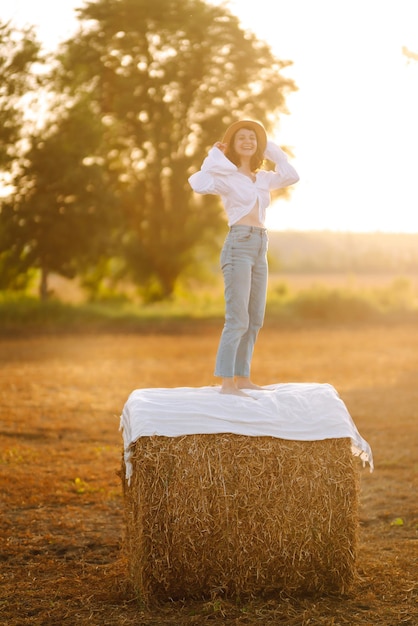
295 411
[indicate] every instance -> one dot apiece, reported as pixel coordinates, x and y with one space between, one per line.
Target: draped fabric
293 411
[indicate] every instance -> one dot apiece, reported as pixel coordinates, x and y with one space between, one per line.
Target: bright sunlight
352 125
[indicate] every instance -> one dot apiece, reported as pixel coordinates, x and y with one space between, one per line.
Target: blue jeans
245 271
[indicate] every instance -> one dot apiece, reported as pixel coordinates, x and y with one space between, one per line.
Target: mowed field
61 519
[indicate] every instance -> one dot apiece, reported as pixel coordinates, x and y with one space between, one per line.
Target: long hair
256 160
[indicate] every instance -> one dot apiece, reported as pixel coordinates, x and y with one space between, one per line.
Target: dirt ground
61 524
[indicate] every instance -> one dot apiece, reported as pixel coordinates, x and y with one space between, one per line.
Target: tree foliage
165 78
18 52
140 93
59 216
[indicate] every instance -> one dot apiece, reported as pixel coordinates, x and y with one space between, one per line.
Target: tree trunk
43 286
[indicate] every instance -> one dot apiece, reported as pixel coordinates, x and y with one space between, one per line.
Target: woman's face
245 142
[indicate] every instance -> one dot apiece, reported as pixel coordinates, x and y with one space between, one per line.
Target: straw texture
236 516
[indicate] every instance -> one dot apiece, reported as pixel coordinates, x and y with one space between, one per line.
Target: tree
165 78
19 52
58 218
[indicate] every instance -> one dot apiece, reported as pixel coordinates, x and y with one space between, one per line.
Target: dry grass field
61 519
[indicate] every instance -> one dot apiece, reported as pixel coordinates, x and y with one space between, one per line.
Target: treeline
325 251
97 141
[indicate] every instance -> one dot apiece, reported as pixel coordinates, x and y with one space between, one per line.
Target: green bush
400 295
23 313
331 305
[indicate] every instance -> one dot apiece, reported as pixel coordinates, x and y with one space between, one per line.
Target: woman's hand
221 146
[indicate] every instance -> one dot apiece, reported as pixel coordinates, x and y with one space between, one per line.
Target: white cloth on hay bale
293 411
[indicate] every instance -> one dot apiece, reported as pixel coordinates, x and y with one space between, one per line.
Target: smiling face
244 147
245 143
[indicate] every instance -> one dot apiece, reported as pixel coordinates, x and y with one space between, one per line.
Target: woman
231 170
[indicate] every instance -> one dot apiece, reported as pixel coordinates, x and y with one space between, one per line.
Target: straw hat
255 126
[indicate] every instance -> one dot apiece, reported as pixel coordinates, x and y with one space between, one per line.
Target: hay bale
238 516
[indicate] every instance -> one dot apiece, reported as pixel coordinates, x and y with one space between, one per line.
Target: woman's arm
211 178
284 173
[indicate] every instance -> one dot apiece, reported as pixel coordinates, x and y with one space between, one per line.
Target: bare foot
234 391
245 383
250 386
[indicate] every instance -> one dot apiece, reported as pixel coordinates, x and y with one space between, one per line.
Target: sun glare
352 124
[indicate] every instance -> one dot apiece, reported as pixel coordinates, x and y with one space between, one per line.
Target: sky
352 124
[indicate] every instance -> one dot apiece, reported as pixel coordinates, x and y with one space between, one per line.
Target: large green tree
19 53
165 78
58 219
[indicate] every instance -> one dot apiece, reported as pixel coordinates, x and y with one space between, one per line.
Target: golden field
62 526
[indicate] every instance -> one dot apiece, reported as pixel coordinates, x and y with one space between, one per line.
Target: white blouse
239 194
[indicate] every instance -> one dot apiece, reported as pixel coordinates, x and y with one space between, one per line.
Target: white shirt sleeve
284 173
211 178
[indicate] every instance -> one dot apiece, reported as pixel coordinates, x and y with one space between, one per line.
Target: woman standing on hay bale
231 170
